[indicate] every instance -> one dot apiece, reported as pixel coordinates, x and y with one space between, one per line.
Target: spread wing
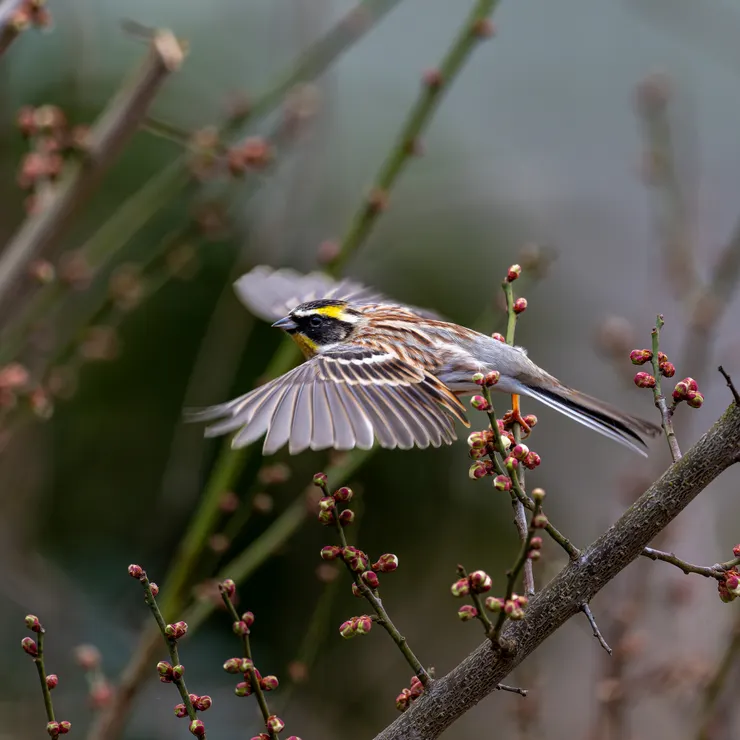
271 294
343 399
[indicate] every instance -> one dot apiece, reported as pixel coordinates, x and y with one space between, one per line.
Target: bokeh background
537 155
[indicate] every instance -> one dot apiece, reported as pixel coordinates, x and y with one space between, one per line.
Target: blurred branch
436 83
477 676
114 128
16 16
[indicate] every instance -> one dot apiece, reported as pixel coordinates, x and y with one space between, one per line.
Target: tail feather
596 415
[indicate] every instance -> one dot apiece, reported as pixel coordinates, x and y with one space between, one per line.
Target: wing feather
343 399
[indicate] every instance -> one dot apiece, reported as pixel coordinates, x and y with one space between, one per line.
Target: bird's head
318 325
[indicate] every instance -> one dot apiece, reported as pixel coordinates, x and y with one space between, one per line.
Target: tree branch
118 122
479 674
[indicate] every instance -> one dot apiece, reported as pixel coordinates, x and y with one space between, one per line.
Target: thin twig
730 384
666 413
520 517
713 571
516 569
118 122
39 662
512 689
436 84
171 643
247 648
586 609
371 596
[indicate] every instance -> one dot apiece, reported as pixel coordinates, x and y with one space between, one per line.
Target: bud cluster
729 586
55 729
513 607
329 512
477 582
254 153
415 690
356 626
688 390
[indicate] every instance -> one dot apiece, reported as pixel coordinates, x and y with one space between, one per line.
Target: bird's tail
595 414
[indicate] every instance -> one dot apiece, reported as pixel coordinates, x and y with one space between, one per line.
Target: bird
377 370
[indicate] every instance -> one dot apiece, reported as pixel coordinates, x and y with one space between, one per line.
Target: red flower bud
181 711
30 646
478 378
460 587
491 378
248 618
154 589
498 337
480 404
480 581
520 305
269 683
364 625
197 728
135 571
514 272
403 700
320 479
387 563
667 369
53 729
502 483
326 503
540 521
531 461
326 517
243 688
494 604
530 420
348 629
343 495
695 399
64 726
736 551
370 579
644 380
346 517
240 628
330 552
228 587
32 622
520 452
52 680
178 671
640 356
467 612
164 669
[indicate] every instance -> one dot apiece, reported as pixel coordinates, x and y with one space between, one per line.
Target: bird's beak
286 324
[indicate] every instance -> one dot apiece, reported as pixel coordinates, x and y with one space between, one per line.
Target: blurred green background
536 144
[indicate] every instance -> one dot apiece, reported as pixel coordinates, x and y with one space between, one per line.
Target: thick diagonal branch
479 674
113 129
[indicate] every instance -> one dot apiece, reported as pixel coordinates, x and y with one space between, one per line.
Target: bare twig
116 125
512 689
730 384
479 674
666 413
713 571
586 609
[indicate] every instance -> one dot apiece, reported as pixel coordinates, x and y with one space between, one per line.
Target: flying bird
379 370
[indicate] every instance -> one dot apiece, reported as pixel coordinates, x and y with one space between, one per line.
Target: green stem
666 413
39 662
247 648
417 120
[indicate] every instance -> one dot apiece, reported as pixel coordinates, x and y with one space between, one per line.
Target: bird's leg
515 415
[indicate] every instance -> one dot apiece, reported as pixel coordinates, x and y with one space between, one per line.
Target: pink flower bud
531 420
460 587
514 272
667 369
520 305
178 671
346 517
135 571
326 503
538 495
154 589
498 337
164 669
240 628
492 378
691 384
30 646
644 380
228 587
681 391
520 451
197 728
511 464
32 622
330 552
243 688
467 612
540 521
269 683
502 483
532 461
364 625
53 729
640 356
326 517
320 479
343 495
181 711
387 563
478 378
233 665
403 700
64 726
248 618
534 554
203 703
176 631
478 470
52 681
494 604
477 441
371 579
348 629
536 543
417 687
480 581
356 591
736 551
695 399
480 404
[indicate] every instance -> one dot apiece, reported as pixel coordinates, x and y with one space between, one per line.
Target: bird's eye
315 321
